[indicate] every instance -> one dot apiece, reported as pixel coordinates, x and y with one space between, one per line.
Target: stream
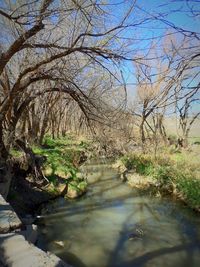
115 226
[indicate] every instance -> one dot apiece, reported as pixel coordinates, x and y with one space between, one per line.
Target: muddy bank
26 196
154 186
134 179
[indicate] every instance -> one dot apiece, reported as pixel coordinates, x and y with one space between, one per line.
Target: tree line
60 70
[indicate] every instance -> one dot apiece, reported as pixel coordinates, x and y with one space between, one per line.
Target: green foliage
83 144
58 142
16 153
60 158
164 174
179 170
190 189
82 185
78 186
52 179
142 164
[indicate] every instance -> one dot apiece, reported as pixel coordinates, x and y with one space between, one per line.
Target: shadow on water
72 259
90 207
140 261
96 229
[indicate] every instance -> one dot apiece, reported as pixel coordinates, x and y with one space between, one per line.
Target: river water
115 226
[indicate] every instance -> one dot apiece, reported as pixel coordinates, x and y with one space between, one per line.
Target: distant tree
46 46
162 80
188 112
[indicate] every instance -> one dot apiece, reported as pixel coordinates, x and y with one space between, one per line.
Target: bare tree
161 82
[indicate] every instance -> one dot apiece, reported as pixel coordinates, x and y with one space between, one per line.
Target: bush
168 172
60 159
172 138
16 153
190 189
57 142
142 164
164 174
83 144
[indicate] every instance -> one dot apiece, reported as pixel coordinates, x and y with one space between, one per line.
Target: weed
83 144
16 153
190 189
164 174
181 170
142 164
61 160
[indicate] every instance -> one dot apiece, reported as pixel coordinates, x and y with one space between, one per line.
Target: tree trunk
5 167
34 161
142 134
43 130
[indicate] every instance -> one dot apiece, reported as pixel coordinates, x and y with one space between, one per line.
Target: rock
30 233
59 243
8 218
139 181
72 193
137 233
77 190
62 188
15 251
120 166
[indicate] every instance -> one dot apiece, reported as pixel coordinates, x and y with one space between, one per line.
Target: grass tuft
180 170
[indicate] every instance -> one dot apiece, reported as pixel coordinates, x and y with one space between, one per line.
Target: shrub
190 189
142 164
83 144
177 172
164 174
60 159
16 153
172 138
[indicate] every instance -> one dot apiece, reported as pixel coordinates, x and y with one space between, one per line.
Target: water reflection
102 229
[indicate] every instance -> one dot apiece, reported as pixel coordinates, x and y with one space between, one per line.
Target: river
114 225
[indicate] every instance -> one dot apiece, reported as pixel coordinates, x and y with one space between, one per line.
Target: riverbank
176 174
17 242
62 179
63 158
169 174
115 225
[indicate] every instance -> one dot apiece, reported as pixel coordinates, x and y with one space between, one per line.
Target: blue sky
178 13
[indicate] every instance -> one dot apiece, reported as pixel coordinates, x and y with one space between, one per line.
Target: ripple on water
95 231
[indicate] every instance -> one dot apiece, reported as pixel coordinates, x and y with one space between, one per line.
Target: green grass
62 159
62 155
68 141
58 142
142 164
190 188
16 153
179 169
